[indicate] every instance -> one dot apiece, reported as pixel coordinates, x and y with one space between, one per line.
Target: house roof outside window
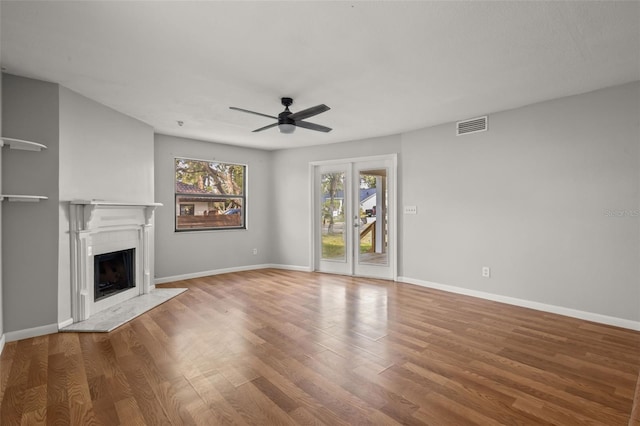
185 188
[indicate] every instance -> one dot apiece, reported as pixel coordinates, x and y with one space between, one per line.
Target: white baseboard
207 273
569 312
290 267
229 270
12 336
1 343
560 310
65 323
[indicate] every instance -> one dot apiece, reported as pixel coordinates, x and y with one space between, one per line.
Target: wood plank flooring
275 347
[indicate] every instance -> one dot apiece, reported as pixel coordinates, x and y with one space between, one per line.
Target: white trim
354 159
207 273
312 217
1 343
560 310
65 323
27 333
290 267
201 274
394 228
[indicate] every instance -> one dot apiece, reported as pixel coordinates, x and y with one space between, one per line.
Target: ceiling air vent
473 125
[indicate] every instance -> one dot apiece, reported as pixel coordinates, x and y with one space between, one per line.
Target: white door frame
314 258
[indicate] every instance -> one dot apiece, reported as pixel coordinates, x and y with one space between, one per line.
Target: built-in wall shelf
21 144
23 198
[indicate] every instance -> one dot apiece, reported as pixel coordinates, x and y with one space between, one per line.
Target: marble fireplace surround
99 227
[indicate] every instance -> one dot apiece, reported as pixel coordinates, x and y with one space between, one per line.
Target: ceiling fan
288 121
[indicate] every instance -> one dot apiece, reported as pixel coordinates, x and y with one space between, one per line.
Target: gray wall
1 291
532 199
104 155
180 253
30 230
293 199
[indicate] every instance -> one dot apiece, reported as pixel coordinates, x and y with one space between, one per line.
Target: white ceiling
382 67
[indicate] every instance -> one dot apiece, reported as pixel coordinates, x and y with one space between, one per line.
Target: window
210 195
187 209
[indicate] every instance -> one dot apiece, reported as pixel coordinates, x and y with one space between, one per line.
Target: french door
354 217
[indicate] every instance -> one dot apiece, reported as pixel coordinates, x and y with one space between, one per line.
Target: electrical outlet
410 210
255 251
486 272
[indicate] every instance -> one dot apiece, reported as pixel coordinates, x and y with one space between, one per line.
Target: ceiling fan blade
266 127
313 126
309 112
253 112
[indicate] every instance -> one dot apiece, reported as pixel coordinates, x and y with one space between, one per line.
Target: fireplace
112 249
113 273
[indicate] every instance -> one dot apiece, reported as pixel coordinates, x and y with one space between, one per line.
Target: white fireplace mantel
99 226
90 206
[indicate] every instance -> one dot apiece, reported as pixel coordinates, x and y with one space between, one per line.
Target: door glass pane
333 238
372 229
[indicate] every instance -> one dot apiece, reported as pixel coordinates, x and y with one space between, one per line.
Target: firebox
114 272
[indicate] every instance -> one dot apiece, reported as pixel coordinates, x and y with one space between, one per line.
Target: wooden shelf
21 144
23 198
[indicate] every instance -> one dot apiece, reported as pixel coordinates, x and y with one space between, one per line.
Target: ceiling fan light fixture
286 128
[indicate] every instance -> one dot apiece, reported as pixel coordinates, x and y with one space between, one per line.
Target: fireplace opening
114 272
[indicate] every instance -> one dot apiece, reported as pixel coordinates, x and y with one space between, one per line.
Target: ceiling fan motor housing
283 117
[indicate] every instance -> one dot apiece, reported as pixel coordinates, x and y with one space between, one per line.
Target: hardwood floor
275 347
